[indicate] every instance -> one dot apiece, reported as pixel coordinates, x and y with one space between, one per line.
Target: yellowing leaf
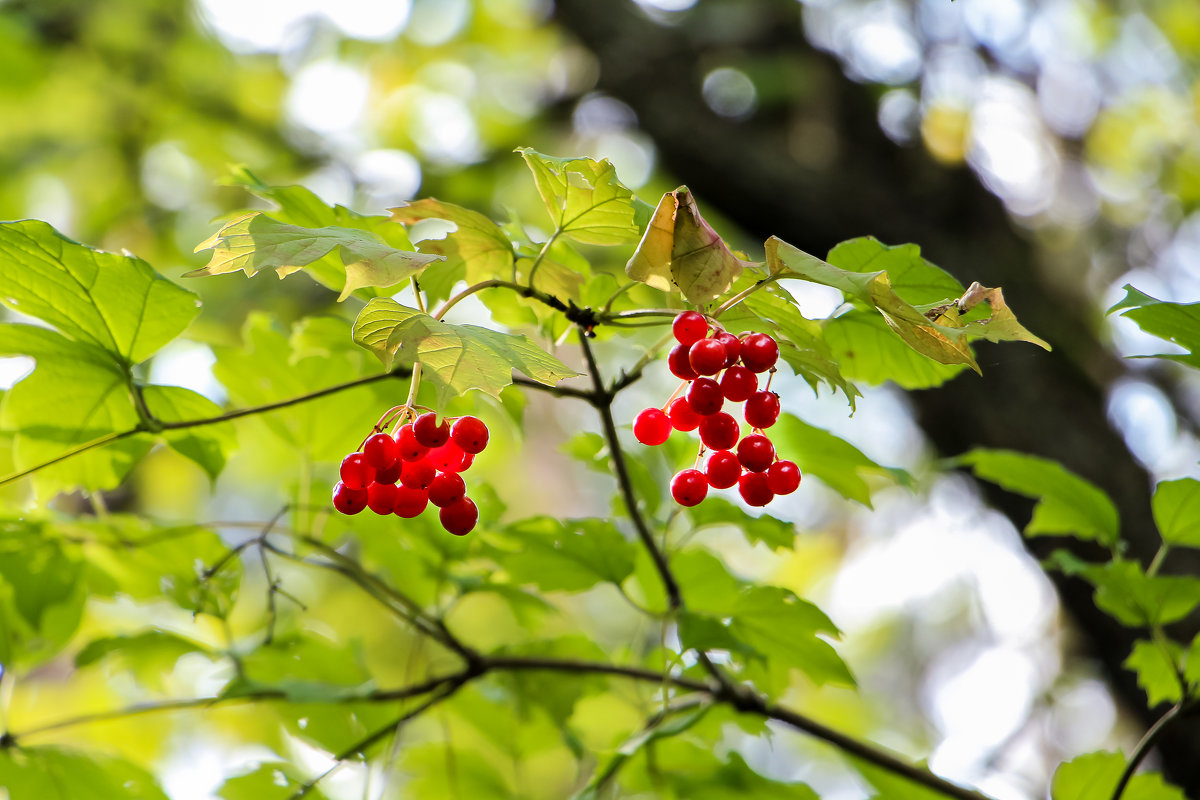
478 244
584 198
254 241
680 250
455 357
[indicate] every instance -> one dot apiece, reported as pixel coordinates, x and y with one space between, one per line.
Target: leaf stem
742 295
541 256
107 438
1142 748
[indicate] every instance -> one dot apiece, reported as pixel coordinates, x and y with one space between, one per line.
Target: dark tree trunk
815 169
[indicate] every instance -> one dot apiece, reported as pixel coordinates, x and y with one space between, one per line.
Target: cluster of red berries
421 464
715 369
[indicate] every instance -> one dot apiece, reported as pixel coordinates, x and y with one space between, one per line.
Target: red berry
417 474
449 458
408 446
683 416
470 434
783 477
347 500
689 487
689 327
389 475
738 383
410 502
446 488
460 516
380 451
651 426
707 357
429 432
759 352
762 409
381 498
704 396
723 469
756 452
719 431
733 347
754 489
356 473
678 363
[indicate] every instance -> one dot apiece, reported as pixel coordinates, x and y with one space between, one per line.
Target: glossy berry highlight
689 327
651 427
689 487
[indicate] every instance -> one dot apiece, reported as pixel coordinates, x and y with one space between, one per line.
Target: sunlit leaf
207 445
1067 504
835 461
784 628
51 773
1157 665
573 555
478 245
1176 506
1095 775
1178 323
584 198
1125 591
255 241
273 780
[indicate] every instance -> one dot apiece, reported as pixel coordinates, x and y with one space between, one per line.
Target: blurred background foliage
1047 145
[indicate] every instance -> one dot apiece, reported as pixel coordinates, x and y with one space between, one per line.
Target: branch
1142 749
108 438
603 405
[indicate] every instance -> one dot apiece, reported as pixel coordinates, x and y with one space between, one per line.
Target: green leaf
1156 666
478 246
701 770
1067 504
272 780
1176 506
1095 775
717 511
910 274
784 628
207 445
664 729
254 241
1191 671
116 304
936 332
892 786
841 465
51 773
584 198
456 358
1126 592
680 251
42 594
866 349
571 556
150 655
1178 323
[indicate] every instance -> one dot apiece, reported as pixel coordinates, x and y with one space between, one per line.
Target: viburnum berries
717 369
420 464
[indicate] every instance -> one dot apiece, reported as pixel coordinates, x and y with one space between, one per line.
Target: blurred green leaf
784 630
51 773
572 555
1157 665
209 445
272 780
1125 591
1176 506
1095 775
42 595
841 465
1178 323
716 511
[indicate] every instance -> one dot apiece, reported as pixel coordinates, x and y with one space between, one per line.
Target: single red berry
417 474
380 451
347 500
381 498
723 469
733 347
783 477
707 357
689 487
448 458
759 352
678 363
467 460
391 474
446 488
410 502
756 452
429 432
738 383
651 426
762 409
754 489
460 516
683 416
356 473
408 446
470 434
719 431
689 327
704 396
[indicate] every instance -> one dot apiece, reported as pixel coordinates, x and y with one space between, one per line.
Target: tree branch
603 405
1142 749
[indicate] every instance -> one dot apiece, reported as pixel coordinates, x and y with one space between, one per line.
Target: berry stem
742 295
678 391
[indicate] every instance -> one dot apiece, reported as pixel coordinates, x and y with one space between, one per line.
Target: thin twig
1142 749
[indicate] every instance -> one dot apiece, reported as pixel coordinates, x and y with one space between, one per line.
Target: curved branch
1142 749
